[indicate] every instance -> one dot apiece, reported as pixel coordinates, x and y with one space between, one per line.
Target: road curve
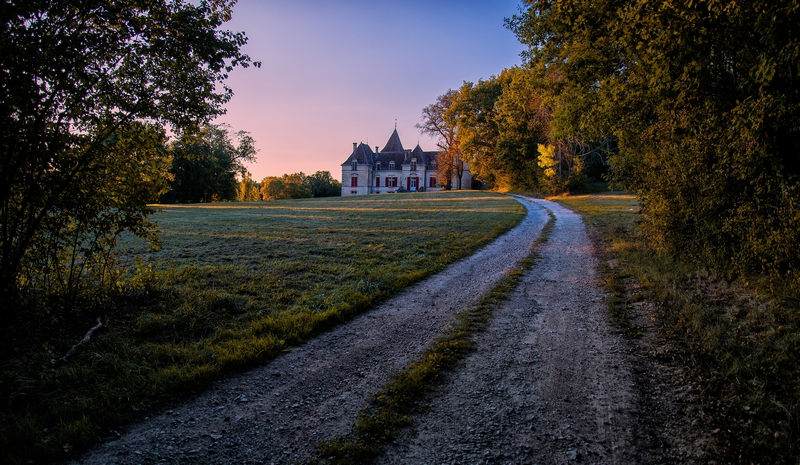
278 413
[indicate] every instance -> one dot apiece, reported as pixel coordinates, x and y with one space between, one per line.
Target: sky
336 72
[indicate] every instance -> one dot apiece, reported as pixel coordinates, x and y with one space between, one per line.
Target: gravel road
278 413
550 382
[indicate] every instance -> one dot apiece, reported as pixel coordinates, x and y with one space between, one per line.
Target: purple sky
341 71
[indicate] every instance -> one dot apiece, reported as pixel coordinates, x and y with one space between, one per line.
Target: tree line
504 128
208 166
694 105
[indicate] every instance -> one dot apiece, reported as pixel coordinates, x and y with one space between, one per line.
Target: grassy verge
405 392
233 285
740 340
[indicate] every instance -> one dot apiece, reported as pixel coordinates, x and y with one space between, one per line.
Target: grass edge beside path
403 395
739 344
235 285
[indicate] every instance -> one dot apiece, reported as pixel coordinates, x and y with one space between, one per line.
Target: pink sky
337 72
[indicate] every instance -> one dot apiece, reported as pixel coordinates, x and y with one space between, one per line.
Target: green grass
740 340
405 393
232 286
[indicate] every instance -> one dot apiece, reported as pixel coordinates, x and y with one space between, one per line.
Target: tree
272 188
206 163
702 100
288 186
85 88
437 121
108 198
247 190
499 123
322 184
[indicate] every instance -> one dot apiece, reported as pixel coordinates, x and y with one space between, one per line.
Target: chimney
376 149
355 144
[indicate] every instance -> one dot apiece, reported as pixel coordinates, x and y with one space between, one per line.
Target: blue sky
338 72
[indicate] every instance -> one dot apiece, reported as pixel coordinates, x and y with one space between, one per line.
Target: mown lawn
740 340
232 285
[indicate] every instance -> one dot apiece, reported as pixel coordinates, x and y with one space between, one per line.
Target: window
413 164
354 181
434 165
378 166
355 165
377 181
391 165
433 182
391 181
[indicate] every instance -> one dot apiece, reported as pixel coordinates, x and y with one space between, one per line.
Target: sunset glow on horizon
338 72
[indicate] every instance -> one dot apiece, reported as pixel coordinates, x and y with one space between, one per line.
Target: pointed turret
420 155
394 144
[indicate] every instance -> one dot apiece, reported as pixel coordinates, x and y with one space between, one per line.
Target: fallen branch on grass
85 339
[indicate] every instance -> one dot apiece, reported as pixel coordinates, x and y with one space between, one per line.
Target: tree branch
85 339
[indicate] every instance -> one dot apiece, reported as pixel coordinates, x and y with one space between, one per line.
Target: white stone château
394 169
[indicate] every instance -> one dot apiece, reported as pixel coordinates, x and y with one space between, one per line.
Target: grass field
232 285
740 340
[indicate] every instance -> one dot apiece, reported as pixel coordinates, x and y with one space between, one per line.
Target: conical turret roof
394 144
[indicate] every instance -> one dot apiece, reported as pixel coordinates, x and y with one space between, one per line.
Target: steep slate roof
362 154
394 144
420 155
392 152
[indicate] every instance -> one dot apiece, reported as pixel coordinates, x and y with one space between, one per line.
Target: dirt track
550 381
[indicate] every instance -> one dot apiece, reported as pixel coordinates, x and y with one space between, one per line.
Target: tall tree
76 78
473 116
247 190
499 124
206 163
323 184
439 122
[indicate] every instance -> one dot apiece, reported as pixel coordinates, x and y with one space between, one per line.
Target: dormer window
391 165
413 164
355 165
378 166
